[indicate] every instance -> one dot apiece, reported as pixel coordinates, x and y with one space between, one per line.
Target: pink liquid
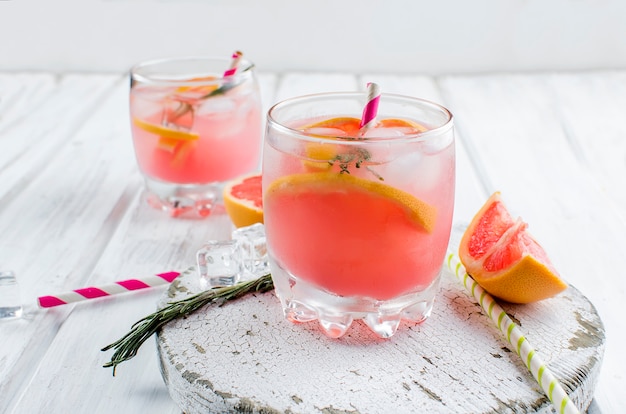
352 242
228 145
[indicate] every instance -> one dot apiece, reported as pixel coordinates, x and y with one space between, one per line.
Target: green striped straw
546 380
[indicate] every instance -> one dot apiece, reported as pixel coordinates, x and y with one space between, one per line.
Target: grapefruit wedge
243 200
503 258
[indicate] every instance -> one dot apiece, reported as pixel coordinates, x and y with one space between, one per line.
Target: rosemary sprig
185 107
128 346
226 86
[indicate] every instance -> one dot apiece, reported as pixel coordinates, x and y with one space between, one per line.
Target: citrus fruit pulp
407 126
351 236
243 200
346 126
503 258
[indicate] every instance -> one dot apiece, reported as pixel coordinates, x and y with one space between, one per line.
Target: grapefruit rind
243 211
413 127
422 214
512 285
347 124
320 156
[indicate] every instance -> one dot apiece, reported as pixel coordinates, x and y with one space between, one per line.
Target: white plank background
71 212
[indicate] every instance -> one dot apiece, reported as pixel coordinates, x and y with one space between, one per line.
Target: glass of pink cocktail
357 221
193 127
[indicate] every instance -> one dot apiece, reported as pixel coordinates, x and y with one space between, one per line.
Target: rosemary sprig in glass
356 159
128 346
227 85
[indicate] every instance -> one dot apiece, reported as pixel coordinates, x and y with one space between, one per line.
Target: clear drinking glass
193 128
357 222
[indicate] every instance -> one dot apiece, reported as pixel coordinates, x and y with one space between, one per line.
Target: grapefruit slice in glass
361 192
351 236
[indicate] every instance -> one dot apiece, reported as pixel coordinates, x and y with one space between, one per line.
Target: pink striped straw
234 63
371 107
106 290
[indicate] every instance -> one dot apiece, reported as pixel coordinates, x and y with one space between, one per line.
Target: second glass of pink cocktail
195 124
357 220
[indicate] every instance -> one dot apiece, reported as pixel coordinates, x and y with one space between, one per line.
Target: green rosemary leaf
354 158
127 346
185 107
221 90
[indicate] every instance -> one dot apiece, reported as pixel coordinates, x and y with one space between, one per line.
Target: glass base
10 312
10 307
304 302
178 200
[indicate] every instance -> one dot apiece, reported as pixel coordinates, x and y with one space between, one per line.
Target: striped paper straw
234 63
371 107
546 380
106 290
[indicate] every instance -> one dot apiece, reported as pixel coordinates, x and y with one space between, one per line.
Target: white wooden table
71 213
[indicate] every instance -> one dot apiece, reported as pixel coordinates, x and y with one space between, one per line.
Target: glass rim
435 131
137 70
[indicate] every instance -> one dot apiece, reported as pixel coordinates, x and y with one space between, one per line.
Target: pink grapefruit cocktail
358 223
193 128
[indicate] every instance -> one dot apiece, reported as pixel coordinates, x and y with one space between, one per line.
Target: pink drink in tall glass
357 225
193 129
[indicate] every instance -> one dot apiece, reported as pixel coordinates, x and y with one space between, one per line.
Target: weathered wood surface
71 213
244 357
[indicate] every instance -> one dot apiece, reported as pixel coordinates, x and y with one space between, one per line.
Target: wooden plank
55 111
21 94
591 107
54 194
143 242
68 375
303 83
267 86
514 127
54 203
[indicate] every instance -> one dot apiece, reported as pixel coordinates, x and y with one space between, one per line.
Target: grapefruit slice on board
503 258
243 200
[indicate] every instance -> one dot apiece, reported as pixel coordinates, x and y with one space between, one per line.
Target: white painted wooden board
129 239
244 357
71 213
550 143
